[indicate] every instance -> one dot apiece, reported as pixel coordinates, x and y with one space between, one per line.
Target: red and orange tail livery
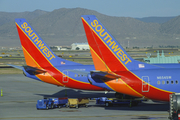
36 51
108 54
117 70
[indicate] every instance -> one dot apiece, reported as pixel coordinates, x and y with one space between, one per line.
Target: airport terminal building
80 46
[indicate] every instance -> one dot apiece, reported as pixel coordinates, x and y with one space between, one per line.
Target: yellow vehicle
76 102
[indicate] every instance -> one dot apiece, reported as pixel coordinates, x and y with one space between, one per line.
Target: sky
120 8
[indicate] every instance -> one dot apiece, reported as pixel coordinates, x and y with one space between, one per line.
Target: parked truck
45 104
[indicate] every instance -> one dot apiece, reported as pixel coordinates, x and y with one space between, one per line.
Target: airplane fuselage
152 84
61 76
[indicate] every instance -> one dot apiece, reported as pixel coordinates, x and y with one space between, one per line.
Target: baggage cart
76 102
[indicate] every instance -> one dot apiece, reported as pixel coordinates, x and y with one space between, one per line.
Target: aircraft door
145 84
65 78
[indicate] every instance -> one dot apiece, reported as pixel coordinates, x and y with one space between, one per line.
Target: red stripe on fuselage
136 83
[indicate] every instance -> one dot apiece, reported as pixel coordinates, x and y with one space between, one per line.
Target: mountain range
64 27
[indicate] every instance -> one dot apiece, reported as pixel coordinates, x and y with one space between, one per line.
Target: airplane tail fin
107 53
36 51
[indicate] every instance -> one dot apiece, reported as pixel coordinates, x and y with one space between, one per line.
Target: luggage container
76 102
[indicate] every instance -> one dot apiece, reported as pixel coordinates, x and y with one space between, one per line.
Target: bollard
130 104
65 92
1 92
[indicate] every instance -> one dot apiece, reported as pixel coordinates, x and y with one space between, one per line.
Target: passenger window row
167 82
78 75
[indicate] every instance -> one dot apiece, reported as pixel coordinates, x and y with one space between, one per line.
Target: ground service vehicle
45 104
114 101
76 102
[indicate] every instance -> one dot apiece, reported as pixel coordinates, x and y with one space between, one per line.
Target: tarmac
20 95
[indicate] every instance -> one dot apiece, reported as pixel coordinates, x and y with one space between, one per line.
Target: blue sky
121 8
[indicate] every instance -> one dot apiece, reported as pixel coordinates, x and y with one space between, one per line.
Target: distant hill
171 27
9 17
159 20
64 27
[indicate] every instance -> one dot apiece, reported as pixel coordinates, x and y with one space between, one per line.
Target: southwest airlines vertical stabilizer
36 51
107 53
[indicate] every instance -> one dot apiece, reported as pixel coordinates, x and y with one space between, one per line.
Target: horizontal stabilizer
15 66
29 69
34 70
104 75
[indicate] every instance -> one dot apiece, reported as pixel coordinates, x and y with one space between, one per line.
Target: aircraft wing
15 66
34 69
